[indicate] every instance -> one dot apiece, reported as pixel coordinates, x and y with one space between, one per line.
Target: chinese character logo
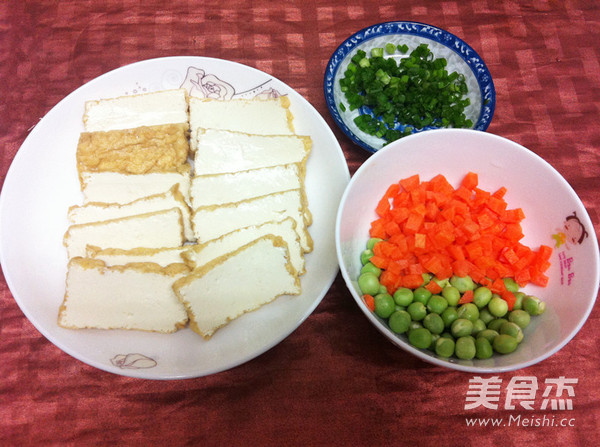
521 392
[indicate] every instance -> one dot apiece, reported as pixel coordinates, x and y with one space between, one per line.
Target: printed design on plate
572 233
200 84
133 361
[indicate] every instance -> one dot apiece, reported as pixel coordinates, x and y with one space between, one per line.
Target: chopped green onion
405 94
377 52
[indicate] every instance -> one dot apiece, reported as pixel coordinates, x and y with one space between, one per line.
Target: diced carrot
456 252
497 205
467 297
540 279
513 216
500 193
470 181
462 267
379 262
510 299
498 286
485 220
392 191
370 302
383 207
420 240
388 280
545 252
392 228
433 287
412 281
410 183
413 223
433 227
464 194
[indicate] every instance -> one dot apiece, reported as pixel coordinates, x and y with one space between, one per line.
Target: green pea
399 321
468 311
447 335
513 330
451 294
519 317
511 285
441 282
420 338
365 256
449 316
462 283
518 301
371 242
444 347
426 278
384 305
437 304
485 315
383 289
465 348
414 325
372 268
533 305
434 323
505 344
434 339
483 348
368 283
403 296
417 310
482 296
494 325
497 306
422 295
488 334
478 326
461 327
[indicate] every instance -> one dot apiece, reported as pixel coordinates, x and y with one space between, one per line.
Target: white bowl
460 57
533 185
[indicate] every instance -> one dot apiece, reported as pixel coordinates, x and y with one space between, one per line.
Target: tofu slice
126 112
160 148
255 116
98 211
234 284
217 189
221 151
114 187
157 229
197 255
118 256
136 296
213 221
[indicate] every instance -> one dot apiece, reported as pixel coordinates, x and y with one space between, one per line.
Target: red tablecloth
335 380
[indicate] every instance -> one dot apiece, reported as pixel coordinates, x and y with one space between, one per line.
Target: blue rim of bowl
430 32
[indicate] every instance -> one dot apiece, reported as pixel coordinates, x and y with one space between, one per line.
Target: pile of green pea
438 323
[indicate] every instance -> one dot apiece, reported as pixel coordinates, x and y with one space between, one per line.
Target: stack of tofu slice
248 186
166 235
133 167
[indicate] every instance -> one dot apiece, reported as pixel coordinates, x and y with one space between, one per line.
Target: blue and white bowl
459 55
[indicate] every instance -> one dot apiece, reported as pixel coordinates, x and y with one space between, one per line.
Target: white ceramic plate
42 183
